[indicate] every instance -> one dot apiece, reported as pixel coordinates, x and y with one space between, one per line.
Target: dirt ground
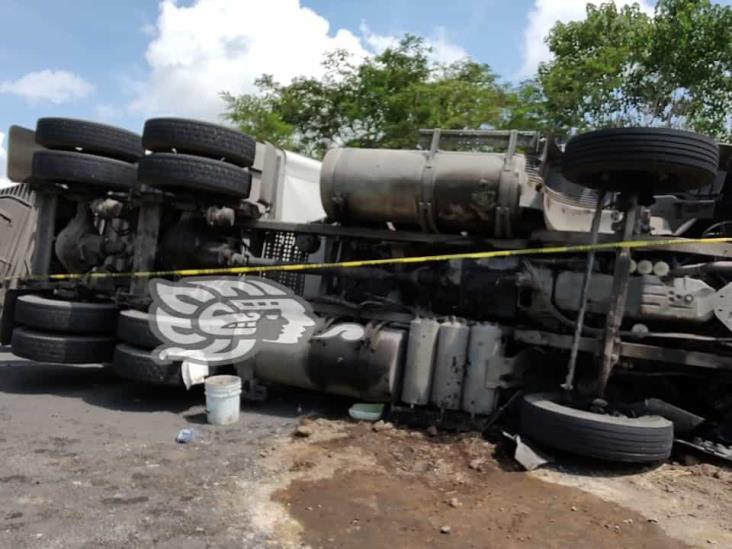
88 460
349 485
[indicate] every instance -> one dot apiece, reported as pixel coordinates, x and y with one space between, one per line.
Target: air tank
485 348
421 351
452 349
440 192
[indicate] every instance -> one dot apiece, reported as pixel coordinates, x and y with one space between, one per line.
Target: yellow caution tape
549 250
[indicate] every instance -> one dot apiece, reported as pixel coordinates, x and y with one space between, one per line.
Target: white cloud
542 18
377 42
48 85
224 45
4 181
209 46
443 50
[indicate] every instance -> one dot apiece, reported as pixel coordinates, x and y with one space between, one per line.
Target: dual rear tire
67 332
187 156
85 155
75 332
196 157
133 358
133 354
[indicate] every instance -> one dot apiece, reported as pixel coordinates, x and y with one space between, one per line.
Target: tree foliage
379 102
618 67
623 67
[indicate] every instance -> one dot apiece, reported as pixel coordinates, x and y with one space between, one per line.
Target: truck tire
133 328
61 348
658 160
137 365
86 169
183 171
92 138
56 315
199 138
643 439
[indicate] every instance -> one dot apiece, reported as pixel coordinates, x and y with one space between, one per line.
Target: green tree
623 67
257 115
380 102
527 108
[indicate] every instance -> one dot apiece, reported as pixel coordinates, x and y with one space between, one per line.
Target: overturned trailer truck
610 352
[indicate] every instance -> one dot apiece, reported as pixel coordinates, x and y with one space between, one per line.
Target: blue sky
122 61
489 30
104 43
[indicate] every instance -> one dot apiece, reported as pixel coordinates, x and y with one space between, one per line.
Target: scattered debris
706 447
382 426
193 373
477 464
529 457
455 502
366 411
185 435
303 431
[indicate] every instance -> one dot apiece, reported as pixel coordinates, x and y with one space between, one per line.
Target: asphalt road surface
89 460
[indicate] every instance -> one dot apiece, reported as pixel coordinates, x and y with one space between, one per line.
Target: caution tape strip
289 267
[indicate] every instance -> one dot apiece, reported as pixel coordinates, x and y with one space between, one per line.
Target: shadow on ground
99 386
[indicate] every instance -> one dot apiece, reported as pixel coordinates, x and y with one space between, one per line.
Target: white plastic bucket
223 399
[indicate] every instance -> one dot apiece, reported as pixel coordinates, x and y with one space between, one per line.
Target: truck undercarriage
611 351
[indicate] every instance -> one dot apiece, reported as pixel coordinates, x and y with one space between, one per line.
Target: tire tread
199 138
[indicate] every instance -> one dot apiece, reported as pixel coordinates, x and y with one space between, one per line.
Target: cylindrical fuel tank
421 351
346 359
485 347
452 349
445 191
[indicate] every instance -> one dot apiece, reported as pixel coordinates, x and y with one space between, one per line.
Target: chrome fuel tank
346 359
444 191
